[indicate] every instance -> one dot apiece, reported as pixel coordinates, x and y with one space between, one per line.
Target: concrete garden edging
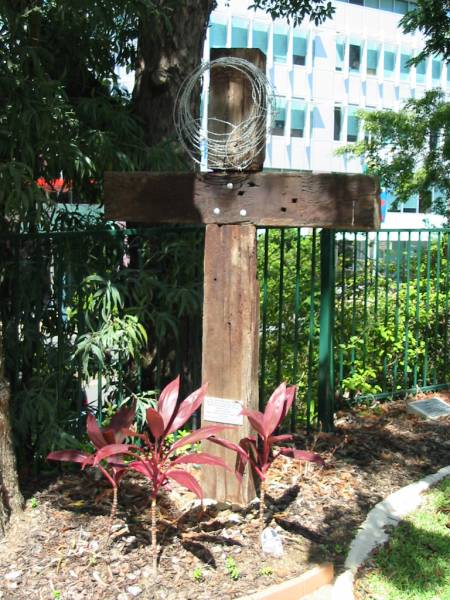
298 587
372 532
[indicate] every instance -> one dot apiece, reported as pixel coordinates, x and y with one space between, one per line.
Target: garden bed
56 550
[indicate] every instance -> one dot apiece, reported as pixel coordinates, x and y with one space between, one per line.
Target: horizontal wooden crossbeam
329 200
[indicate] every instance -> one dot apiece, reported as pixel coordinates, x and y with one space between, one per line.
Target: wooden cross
231 215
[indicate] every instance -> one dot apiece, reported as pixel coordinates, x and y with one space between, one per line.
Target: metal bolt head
243 212
230 185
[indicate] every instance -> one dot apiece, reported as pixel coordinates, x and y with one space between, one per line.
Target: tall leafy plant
112 469
156 458
262 449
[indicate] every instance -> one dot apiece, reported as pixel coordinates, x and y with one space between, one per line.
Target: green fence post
325 405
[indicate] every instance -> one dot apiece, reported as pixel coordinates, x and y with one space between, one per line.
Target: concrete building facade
323 74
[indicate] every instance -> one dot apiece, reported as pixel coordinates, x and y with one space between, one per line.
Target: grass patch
415 563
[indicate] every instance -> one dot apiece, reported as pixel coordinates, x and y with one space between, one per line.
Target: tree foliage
62 110
297 10
409 150
432 19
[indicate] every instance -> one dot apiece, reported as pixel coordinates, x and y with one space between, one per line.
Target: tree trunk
168 52
11 501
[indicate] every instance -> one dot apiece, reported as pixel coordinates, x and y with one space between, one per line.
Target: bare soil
57 549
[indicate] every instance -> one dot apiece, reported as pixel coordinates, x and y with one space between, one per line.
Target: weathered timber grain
230 343
329 200
230 97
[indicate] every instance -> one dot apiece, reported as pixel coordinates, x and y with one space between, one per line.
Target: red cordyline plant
115 433
261 450
156 459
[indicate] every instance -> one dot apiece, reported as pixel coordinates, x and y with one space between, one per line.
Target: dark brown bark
11 501
168 52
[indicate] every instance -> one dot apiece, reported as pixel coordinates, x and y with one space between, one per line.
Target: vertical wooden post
230 346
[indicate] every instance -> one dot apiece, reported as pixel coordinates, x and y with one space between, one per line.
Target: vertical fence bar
354 286
325 404
417 312
397 308
342 309
437 279
427 310
59 278
280 307
296 324
406 332
446 376
377 259
386 305
262 379
311 328
366 288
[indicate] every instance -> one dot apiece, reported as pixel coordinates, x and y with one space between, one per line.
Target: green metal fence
347 317
353 316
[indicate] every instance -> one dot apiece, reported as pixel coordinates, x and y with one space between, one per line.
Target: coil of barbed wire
236 147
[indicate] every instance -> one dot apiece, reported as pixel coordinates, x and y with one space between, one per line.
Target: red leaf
123 419
75 456
274 409
199 434
168 400
227 444
155 423
290 397
201 458
187 481
94 433
302 455
256 419
109 435
285 437
188 407
143 467
111 450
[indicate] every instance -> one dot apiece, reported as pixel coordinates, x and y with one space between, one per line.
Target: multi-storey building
323 74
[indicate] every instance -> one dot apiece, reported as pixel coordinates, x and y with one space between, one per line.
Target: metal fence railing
346 316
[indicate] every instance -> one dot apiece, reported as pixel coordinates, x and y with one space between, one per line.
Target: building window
239 33
410 206
340 54
401 7
372 3
299 49
337 123
358 2
260 36
280 44
389 63
405 69
373 55
387 5
354 58
297 118
218 35
280 116
421 70
448 74
352 124
436 71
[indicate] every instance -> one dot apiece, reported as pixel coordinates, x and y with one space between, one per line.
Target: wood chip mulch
57 549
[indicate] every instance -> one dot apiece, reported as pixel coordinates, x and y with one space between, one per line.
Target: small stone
123 596
94 545
12 575
12 585
235 518
134 590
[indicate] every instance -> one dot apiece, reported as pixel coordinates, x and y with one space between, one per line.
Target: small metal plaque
429 409
221 410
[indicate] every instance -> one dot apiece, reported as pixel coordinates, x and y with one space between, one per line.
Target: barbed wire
236 147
